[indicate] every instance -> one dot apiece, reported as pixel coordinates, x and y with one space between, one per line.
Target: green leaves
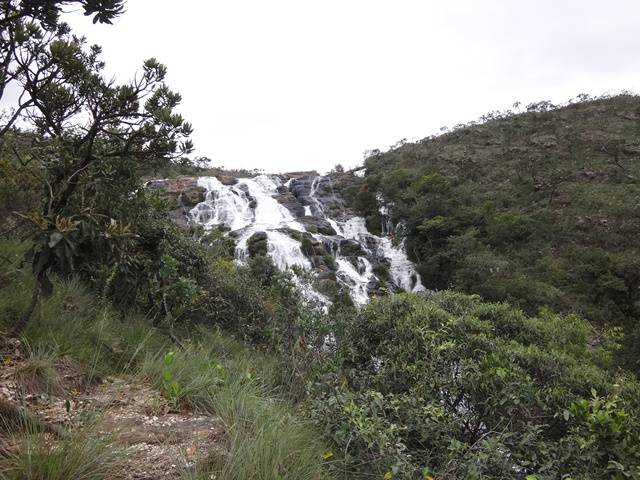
169 359
476 389
171 389
103 10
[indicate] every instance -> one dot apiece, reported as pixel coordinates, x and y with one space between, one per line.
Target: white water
401 269
249 207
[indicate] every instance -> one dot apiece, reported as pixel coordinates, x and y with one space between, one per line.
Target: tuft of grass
34 456
39 373
265 438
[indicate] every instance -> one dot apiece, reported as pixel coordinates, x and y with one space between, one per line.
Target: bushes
468 389
74 322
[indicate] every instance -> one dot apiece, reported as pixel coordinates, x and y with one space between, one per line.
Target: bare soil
155 439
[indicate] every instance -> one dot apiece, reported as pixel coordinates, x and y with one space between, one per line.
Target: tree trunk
35 296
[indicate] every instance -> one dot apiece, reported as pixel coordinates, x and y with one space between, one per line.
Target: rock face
317 193
181 191
289 200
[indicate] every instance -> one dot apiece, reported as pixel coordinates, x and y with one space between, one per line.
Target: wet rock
227 179
180 216
318 193
351 248
286 198
317 225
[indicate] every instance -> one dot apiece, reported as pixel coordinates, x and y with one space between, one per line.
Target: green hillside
540 208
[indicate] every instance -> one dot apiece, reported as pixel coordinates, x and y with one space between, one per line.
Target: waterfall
256 205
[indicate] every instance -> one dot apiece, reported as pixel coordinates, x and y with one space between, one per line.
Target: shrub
465 389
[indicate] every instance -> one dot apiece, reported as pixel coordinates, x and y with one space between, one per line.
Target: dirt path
154 440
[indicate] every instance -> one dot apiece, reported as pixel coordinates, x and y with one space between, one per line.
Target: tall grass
33 456
38 373
265 438
75 322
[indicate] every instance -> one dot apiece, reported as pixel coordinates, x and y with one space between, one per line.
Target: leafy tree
28 22
90 129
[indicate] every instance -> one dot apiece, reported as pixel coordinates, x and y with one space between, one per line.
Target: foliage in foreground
453 387
210 373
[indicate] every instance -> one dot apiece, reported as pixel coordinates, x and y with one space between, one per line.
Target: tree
84 123
26 23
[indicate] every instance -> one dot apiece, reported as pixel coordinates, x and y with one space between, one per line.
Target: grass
265 438
75 323
39 373
32 455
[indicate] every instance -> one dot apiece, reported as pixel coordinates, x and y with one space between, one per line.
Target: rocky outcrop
179 192
296 175
325 236
227 179
317 225
317 193
182 194
288 199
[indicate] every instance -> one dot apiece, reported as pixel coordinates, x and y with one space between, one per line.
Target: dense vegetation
439 385
449 386
538 208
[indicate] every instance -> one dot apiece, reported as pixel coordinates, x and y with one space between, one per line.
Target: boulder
286 198
351 248
227 179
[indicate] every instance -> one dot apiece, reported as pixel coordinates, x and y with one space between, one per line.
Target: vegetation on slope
448 386
538 208
210 373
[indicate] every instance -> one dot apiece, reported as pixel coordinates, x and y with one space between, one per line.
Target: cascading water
252 206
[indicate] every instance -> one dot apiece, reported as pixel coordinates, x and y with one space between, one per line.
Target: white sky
291 85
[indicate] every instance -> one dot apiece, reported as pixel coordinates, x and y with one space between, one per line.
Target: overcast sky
285 85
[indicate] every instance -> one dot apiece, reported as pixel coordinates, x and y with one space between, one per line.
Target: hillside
541 209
